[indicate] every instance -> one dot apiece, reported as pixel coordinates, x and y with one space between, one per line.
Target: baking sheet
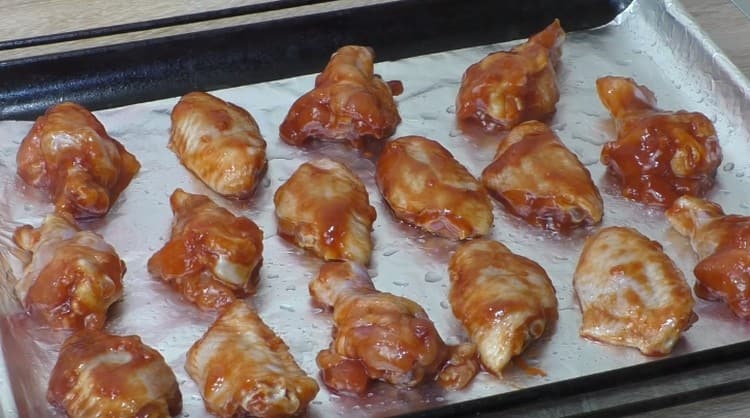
654 42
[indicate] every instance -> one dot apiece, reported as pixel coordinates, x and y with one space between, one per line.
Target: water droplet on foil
432 277
388 253
728 167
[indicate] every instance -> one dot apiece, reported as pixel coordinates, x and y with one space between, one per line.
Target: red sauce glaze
658 156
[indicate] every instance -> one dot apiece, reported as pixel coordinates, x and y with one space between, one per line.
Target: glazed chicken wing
382 336
212 257
73 277
631 293
219 142
509 87
324 207
504 300
68 153
349 103
427 187
538 179
243 368
720 241
658 156
102 375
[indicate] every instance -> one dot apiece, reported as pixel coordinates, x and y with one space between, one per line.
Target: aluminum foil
653 41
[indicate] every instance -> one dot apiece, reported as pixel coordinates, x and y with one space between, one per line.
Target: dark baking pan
166 67
140 71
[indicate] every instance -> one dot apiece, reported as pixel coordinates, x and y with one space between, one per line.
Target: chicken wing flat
504 300
102 375
382 336
220 143
658 156
631 293
243 368
720 241
425 186
68 153
324 207
509 87
212 257
556 196
348 104
73 277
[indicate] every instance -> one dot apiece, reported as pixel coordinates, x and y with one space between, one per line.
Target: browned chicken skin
720 241
631 293
68 153
658 156
243 368
102 375
325 208
220 143
73 277
425 186
509 87
538 179
212 257
349 103
382 336
504 300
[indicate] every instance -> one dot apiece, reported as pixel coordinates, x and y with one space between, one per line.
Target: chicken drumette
349 103
658 156
68 153
382 336
212 257
509 87
73 277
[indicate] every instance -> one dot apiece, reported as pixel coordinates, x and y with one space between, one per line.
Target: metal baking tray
653 41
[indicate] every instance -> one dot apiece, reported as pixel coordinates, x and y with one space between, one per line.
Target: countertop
724 23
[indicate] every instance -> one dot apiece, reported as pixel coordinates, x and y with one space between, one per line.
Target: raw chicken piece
212 257
427 187
509 87
382 336
325 208
73 277
243 368
658 156
102 375
504 300
720 241
538 179
349 103
631 293
68 153
220 143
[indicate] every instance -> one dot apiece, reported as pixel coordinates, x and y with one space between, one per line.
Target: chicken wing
212 257
658 156
102 375
220 143
720 241
73 277
382 336
509 87
243 368
68 153
349 103
558 196
504 300
427 187
631 293
324 207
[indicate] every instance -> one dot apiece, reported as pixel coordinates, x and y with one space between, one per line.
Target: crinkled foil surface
652 41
